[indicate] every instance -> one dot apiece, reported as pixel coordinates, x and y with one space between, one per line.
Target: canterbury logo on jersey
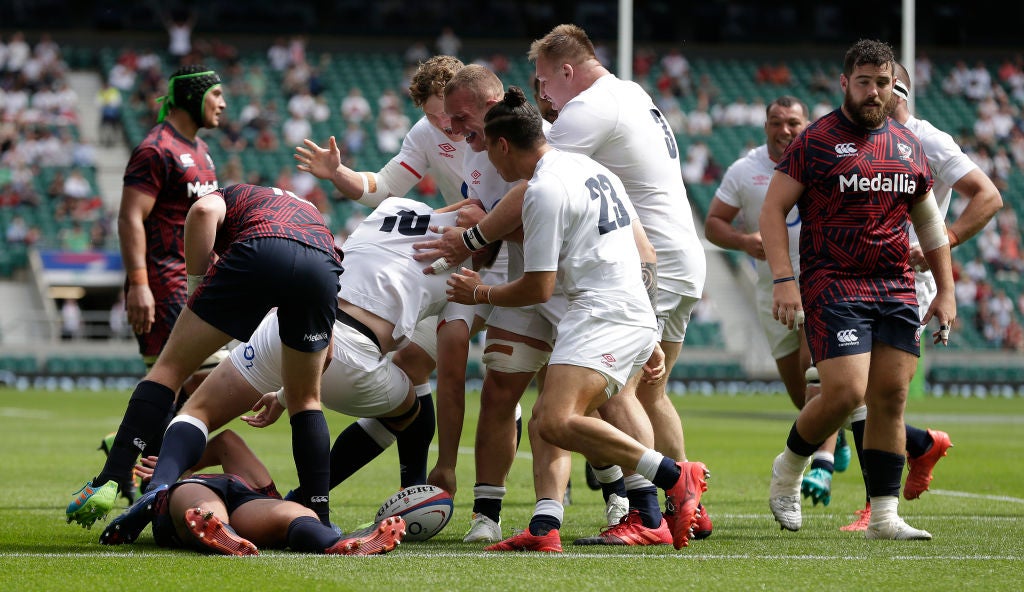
899 183
847 337
846 149
139 443
199 189
318 499
186 160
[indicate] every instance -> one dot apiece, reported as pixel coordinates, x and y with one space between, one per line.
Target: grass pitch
975 511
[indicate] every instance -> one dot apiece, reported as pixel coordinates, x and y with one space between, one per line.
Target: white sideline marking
994 498
24 413
405 551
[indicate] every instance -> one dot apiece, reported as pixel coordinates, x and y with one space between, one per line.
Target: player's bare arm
140 305
783 193
719 230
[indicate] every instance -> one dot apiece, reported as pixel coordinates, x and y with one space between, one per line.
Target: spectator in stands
17 230
70 320
979 82
295 129
777 75
83 153
955 83
392 125
353 138
302 103
416 53
675 65
179 24
118 319
77 187
698 121
278 55
354 107
75 238
18 53
266 138
448 43
922 73
256 80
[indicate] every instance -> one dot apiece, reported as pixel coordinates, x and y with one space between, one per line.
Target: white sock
649 463
549 507
608 474
883 508
794 462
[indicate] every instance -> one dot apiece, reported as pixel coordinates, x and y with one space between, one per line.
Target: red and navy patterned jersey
859 186
254 211
176 172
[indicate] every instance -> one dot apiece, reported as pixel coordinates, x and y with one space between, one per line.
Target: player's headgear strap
188 91
900 90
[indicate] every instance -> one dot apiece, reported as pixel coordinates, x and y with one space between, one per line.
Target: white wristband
280 397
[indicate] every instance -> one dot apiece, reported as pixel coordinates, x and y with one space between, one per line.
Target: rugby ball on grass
426 510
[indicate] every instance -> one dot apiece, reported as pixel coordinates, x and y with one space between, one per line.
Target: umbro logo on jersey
476 177
447 147
186 160
847 337
761 179
608 360
846 149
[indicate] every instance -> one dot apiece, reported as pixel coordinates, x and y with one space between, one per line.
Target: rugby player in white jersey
951 169
518 340
430 146
579 233
616 123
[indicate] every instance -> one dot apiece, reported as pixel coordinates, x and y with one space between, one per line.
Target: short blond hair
431 76
479 81
567 44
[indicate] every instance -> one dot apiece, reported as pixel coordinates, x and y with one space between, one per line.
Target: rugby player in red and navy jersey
272 249
859 179
167 172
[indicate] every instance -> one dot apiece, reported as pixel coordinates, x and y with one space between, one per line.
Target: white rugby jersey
946 160
744 186
426 149
381 275
616 123
577 221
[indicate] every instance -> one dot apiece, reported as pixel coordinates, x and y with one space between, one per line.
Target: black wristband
783 280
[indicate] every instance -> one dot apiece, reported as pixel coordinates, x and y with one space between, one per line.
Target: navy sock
519 431
352 450
885 472
153 448
820 463
645 500
798 445
308 535
311 449
413 443
667 474
488 506
144 420
857 428
541 524
918 441
184 444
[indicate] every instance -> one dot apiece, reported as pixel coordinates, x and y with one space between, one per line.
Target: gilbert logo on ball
426 510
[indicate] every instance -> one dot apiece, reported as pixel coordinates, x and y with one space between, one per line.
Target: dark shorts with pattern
256 275
848 328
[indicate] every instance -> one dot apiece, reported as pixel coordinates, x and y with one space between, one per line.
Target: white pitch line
994 498
406 551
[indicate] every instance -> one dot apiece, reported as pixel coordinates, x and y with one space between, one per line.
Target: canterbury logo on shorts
847 337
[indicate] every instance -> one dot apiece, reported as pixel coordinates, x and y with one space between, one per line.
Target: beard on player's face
869 113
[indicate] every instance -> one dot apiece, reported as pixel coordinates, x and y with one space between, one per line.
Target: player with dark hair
239 511
167 172
951 169
857 177
580 233
741 195
272 249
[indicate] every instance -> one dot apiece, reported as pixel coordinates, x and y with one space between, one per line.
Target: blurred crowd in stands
46 160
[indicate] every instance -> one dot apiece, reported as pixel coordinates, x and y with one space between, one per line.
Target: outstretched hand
320 162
